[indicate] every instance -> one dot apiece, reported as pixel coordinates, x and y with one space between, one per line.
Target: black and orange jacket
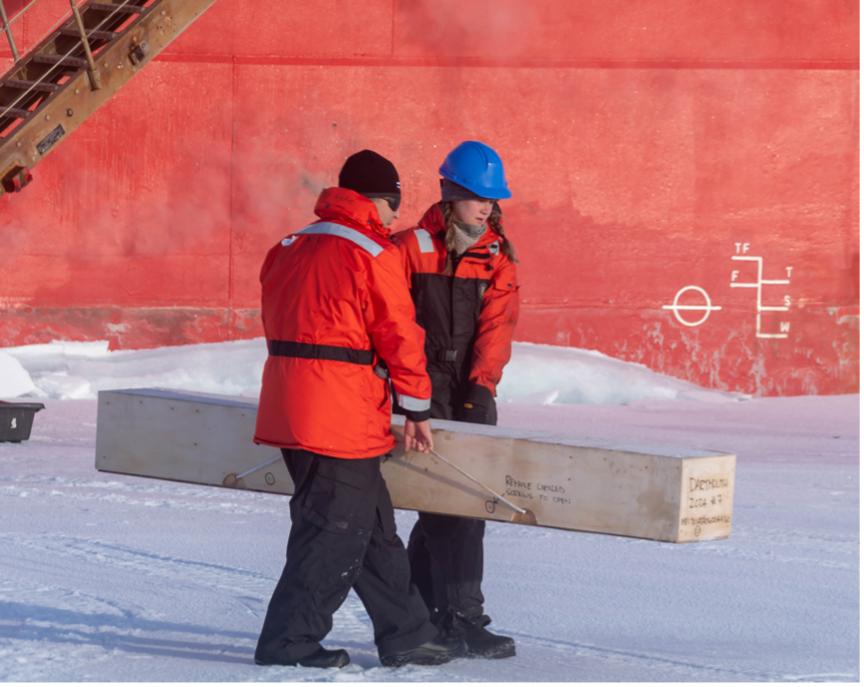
334 302
469 316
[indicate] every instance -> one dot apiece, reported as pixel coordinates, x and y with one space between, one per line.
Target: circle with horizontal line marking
675 307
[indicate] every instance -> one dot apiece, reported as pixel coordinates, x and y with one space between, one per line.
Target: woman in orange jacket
462 273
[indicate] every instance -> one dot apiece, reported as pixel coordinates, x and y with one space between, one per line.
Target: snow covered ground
112 578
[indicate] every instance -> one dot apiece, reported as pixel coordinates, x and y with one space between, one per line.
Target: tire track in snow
646 660
822 677
225 505
798 548
100 553
25 600
37 619
140 485
772 557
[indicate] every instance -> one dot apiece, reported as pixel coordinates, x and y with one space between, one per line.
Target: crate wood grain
647 491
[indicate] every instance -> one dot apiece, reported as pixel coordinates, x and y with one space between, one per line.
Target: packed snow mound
71 370
542 374
14 379
537 374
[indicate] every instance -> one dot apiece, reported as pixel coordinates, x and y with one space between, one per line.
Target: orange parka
469 317
334 303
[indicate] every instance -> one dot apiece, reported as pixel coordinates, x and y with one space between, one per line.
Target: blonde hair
495 225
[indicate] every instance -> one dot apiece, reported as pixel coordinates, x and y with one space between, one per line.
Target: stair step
77 62
92 34
108 7
13 112
30 85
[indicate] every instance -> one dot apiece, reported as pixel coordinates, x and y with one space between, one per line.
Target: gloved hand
472 412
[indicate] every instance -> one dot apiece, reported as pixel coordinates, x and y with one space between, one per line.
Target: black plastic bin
16 420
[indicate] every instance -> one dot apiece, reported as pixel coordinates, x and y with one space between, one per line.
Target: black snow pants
343 535
446 551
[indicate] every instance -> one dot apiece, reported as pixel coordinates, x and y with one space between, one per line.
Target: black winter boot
322 658
481 642
436 651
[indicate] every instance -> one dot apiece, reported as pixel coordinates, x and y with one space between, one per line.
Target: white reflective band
416 404
424 240
340 230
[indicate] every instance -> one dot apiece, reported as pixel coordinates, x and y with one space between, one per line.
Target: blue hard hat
478 168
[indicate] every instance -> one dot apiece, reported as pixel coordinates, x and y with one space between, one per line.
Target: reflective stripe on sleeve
424 240
340 230
414 404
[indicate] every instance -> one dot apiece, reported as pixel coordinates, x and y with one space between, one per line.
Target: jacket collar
433 222
349 207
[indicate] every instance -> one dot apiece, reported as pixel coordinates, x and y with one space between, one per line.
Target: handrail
31 134
7 25
95 80
22 12
52 29
7 29
49 71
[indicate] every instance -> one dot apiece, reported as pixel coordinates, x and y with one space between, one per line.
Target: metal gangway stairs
74 69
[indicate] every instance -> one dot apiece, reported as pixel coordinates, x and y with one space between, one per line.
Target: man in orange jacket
335 305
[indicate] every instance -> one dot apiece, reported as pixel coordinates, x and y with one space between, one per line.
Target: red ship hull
685 175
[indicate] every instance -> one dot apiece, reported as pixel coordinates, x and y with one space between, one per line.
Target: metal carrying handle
263 465
478 483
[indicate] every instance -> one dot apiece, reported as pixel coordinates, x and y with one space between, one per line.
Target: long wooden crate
647 491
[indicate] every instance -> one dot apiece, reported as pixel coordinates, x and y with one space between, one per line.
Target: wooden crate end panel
707 494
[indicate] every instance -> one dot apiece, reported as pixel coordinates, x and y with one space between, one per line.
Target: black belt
293 349
445 356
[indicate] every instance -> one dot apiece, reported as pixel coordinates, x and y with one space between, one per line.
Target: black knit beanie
369 173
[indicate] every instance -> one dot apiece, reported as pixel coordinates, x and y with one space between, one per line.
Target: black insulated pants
446 551
446 554
343 535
